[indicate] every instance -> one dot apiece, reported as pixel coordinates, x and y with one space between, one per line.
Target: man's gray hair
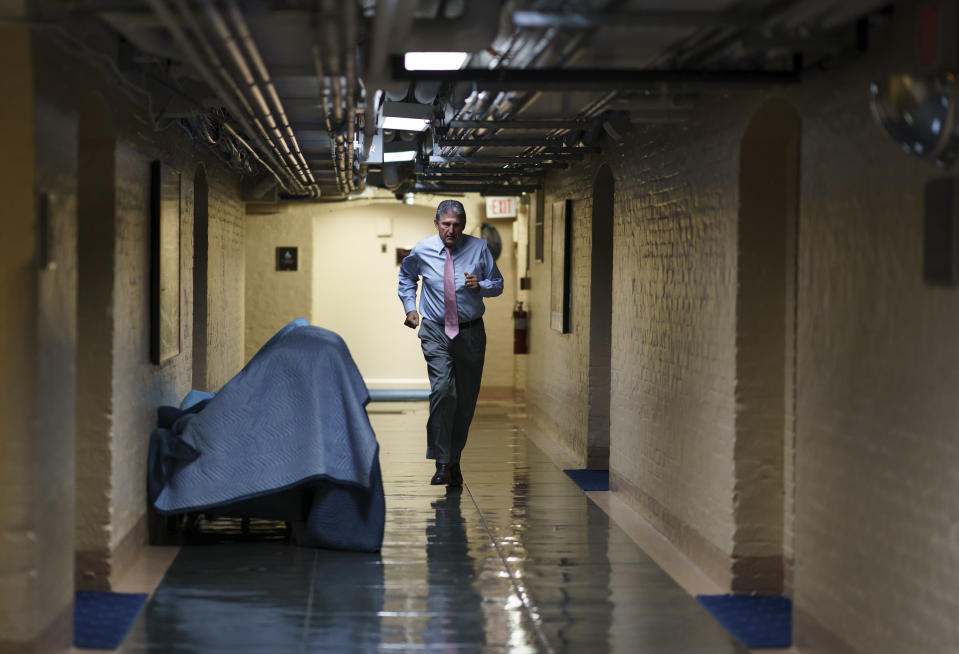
454 207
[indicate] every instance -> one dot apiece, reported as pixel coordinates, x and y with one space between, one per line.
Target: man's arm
492 283
409 276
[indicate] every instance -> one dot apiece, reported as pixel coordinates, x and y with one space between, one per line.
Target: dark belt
463 325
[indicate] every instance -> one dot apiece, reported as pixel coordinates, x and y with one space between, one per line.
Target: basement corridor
518 560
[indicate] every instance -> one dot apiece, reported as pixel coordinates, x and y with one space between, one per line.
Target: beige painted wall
274 298
37 348
355 288
347 283
876 481
119 388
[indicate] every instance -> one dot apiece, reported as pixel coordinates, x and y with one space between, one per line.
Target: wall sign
500 207
286 258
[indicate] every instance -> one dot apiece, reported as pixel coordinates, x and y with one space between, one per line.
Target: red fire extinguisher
520 330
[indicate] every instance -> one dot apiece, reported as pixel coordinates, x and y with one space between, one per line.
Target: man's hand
412 320
472 282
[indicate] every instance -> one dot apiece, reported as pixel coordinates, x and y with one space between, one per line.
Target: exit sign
500 207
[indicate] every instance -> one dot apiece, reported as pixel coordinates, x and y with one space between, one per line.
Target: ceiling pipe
349 59
230 43
633 19
392 22
325 102
542 123
527 48
214 59
239 139
596 79
471 31
194 57
332 47
253 52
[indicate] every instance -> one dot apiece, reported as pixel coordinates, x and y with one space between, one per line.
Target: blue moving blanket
292 424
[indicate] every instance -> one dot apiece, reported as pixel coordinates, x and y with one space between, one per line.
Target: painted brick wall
226 278
139 386
557 364
874 533
274 298
877 523
673 324
112 458
37 348
671 422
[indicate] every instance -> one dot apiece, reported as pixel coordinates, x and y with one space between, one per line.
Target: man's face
450 227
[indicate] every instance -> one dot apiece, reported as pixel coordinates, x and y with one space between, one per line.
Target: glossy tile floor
519 560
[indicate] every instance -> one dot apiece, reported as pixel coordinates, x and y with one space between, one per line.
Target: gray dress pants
455 369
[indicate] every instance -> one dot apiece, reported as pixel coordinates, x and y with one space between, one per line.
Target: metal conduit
233 48
349 59
166 16
227 78
325 95
246 38
251 149
546 49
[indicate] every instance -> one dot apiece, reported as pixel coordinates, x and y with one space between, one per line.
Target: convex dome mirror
919 113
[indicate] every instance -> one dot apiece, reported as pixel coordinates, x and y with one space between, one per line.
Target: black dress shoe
442 475
456 475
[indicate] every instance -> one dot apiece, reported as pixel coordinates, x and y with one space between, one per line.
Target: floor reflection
455 618
517 561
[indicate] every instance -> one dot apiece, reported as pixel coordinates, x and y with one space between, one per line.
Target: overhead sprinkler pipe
349 59
253 52
179 35
239 139
325 103
266 137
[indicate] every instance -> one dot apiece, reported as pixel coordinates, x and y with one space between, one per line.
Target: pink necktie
449 298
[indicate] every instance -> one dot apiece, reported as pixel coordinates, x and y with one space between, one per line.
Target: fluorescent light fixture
434 60
402 155
405 124
406 116
400 150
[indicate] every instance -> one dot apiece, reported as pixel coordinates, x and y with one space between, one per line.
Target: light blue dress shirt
427 259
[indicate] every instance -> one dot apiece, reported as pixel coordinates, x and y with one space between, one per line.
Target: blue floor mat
102 620
757 621
590 480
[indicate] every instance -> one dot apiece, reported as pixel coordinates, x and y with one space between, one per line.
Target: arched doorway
600 320
201 248
765 345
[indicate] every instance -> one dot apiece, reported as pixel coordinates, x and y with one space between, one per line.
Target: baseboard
96 569
55 637
92 570
715 564
129 548
496 394
758 574
811 637
561 456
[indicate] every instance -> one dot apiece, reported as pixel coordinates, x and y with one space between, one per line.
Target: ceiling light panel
435 60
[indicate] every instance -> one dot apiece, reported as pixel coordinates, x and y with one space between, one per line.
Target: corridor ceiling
293 94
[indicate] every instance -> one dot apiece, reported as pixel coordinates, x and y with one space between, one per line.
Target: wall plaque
286 258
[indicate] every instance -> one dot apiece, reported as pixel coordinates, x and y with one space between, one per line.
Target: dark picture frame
560 298
165 225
